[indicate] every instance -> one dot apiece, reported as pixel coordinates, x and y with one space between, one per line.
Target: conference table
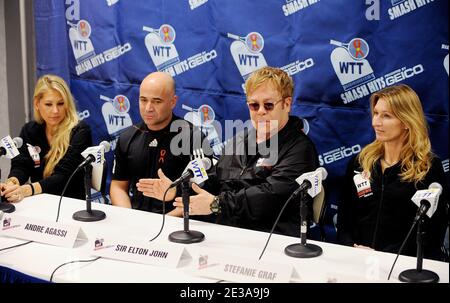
337 263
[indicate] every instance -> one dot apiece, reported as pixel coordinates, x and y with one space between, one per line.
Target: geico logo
339 154
304 64
201 58
84 114
405 73
115 52
298 66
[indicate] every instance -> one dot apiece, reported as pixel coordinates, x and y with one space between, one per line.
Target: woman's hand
15 193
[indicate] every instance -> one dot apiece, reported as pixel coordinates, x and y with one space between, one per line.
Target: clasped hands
13 192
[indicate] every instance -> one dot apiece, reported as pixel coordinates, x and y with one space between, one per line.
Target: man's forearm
120 198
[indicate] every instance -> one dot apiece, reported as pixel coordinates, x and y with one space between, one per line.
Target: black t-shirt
140 152
24 167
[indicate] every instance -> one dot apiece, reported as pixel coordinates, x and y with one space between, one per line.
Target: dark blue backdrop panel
337 51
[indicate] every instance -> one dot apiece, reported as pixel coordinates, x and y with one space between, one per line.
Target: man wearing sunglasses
256 173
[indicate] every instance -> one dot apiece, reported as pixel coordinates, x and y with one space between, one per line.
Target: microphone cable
276 222
64 190
81 261
402 246
21 244
164 214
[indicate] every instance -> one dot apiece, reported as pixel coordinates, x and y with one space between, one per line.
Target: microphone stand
419 275
186 236
303 249
4 205
88 215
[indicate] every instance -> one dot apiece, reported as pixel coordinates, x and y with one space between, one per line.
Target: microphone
427 200
93 165
195 171
9 147
311 181
95 154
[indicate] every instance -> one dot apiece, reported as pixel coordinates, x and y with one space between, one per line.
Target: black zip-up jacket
140 152
382 219
23 167
251 194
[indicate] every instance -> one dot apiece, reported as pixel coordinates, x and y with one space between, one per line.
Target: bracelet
32 189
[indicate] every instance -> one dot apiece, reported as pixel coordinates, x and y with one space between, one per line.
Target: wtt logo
115 113
349 63
79 32
246 52
204 118
159 43
82 46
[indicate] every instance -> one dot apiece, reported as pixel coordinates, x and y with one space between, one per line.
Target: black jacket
382 219
251 194
140 152
23 166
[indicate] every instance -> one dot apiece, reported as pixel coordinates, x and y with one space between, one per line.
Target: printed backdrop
337 51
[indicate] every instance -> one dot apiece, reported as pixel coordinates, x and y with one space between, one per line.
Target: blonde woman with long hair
376 211
52 147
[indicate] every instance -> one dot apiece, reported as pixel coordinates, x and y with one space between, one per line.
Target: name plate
167 255
237 269
42 231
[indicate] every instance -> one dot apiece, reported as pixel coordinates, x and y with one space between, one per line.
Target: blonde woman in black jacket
52 147
376 211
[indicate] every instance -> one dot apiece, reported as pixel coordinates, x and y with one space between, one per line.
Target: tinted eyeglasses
268 106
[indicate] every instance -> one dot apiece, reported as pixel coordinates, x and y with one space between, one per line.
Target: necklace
389 164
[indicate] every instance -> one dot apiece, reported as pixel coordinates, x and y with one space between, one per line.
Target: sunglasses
268 106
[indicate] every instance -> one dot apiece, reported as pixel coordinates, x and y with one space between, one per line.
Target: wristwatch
215 205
